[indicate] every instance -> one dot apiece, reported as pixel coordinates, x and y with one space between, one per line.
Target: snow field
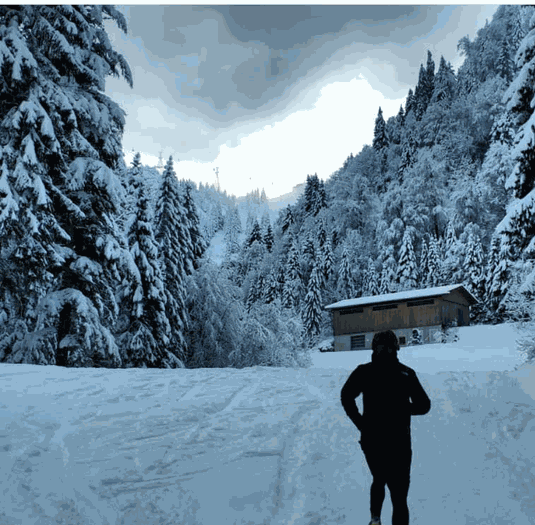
258 445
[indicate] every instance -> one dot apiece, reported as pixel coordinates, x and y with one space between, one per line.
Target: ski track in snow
258 446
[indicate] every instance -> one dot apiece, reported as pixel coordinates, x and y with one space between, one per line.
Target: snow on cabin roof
403 296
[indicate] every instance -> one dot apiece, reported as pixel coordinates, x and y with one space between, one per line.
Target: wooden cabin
410 314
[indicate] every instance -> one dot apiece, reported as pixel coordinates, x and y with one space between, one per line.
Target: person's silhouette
391 395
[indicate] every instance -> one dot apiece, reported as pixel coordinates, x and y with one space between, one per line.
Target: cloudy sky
269 94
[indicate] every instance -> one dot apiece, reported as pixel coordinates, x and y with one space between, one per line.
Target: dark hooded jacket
391 394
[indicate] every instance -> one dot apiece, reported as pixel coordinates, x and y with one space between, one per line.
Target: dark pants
390 464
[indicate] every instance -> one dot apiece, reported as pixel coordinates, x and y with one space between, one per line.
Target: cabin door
460 319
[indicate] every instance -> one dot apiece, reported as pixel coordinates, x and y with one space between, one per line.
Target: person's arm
420 402
350 391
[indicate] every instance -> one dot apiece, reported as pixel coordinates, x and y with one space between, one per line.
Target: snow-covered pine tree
387 282
315 197
134 177
518 226
146 341
380 139
373 284
309 249
292 284
473 267
424 264
269 238
256 290
270 288
401 116
255 235
410 104
492 263
344 283
312 307
59 198
434 264
500 279
419 98
444 83
232 232
429 85
407 274
288 219
176 256
326 261
321 235
193 225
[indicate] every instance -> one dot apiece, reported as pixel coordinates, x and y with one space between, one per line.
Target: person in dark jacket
391 394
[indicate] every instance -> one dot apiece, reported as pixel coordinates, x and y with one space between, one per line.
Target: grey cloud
227 70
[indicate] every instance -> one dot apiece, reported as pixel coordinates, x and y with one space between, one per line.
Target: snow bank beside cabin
479 348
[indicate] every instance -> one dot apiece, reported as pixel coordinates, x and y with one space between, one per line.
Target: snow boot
375 521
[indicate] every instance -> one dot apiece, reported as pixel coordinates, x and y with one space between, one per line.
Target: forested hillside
103 263
443 195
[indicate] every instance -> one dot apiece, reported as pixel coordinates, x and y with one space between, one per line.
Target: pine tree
407 274
444 89
433 264
292 283
269 238
518 226
312 307
345 279
380 139
270 288
473 267
372 282
198 242
505 64
410 104
387 283
59 198
232 232
401 116
288 219
326 261
255 235
145 342
500 279
492 264
309 249
419 96
424 265
176 254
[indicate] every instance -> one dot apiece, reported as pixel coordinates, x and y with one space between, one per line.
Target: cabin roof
404 296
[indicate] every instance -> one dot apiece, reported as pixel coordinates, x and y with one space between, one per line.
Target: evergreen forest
105 264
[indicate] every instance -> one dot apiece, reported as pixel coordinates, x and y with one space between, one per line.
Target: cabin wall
427 318
402 317
428 334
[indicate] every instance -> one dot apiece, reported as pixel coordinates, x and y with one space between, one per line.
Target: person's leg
376 464
400 509
377 497
398 484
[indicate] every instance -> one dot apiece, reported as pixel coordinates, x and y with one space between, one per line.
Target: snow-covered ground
263 445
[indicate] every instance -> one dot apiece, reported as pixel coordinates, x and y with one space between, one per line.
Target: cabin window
421 302
358 341
402 340
385 307
356 310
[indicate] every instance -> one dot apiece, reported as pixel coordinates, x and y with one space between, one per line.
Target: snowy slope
260 445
